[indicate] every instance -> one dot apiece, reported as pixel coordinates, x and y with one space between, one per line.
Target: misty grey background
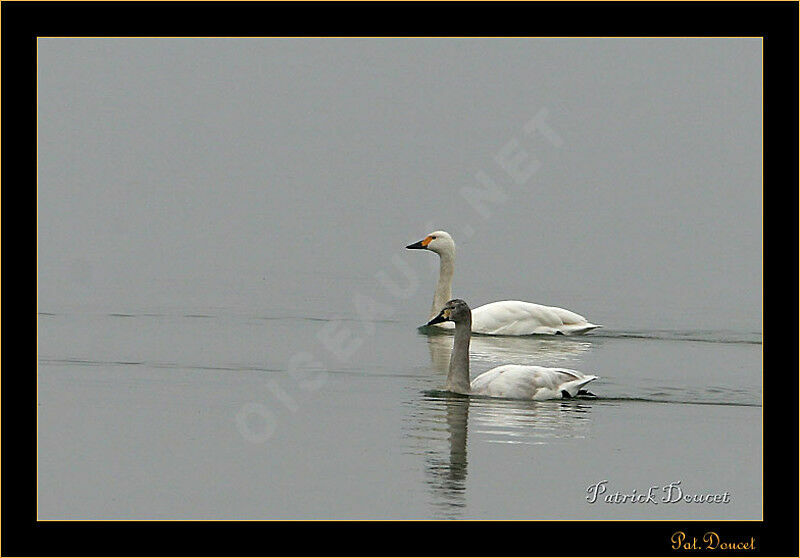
199 198
226 161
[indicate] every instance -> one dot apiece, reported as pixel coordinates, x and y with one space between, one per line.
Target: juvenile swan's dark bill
442 317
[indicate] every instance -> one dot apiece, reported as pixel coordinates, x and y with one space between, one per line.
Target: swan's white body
506 317
514 381
511 381
515 317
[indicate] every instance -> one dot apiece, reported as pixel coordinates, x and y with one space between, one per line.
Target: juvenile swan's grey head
455 310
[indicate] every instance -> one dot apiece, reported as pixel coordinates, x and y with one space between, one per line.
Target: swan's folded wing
524 382
515 317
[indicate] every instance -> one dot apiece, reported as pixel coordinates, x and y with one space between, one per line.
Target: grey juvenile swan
511 381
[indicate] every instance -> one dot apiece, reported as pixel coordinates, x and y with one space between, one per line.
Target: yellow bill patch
427 240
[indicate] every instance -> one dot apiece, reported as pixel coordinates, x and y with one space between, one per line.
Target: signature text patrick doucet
671 493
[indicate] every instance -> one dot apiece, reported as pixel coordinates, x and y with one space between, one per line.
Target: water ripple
697 335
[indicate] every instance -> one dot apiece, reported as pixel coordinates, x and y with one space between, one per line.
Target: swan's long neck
444 285
458 374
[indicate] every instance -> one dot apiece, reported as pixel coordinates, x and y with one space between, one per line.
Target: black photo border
23 22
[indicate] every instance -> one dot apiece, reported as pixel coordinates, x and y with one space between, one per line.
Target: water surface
143 415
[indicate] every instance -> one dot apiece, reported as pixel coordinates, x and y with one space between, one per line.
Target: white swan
506 317
511 381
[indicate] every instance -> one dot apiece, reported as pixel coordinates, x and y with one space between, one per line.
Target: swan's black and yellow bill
443 316
421 245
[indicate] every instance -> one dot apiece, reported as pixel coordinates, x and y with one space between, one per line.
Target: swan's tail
573 388
577 329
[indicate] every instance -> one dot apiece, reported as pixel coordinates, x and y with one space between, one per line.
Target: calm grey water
138 419
227 316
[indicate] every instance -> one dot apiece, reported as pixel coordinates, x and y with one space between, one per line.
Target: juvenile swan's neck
458 374
445 283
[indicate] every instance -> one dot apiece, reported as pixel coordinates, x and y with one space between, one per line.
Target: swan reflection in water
487 352
446 457
441 420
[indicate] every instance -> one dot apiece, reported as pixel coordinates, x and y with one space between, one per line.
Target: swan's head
438 241
455 310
